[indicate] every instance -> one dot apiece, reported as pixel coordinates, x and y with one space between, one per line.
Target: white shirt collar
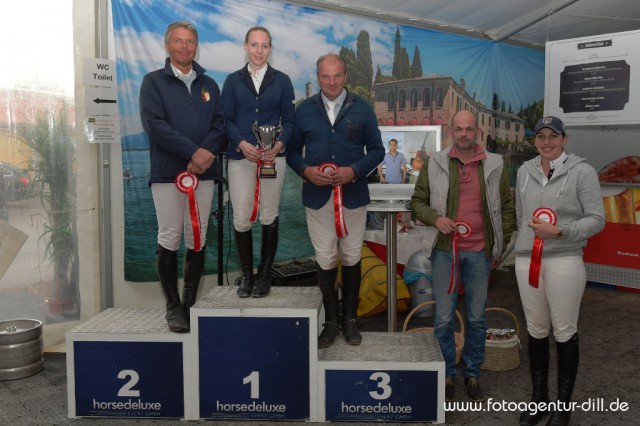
257 76
554 166
259 73
180 74
558 161
338 101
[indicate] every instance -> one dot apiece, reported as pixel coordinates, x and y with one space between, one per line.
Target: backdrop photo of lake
502 83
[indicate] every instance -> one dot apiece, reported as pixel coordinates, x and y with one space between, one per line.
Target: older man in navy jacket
181 111
339 135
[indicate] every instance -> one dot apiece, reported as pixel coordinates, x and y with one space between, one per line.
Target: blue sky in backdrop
300 35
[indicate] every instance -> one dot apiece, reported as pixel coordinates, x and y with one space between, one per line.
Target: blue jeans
474 276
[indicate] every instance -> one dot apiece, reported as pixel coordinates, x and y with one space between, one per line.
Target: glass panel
38 239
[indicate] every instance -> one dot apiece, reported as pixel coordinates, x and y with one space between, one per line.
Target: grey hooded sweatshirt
573 193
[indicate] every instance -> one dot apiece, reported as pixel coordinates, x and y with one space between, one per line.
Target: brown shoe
473 389
449 389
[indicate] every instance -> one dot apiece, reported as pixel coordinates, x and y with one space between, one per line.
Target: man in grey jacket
463 194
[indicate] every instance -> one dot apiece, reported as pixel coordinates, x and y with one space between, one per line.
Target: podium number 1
254 379
384 390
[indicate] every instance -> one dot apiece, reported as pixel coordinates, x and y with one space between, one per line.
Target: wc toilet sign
101 123
99 72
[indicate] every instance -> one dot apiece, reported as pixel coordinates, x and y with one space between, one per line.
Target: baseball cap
551 122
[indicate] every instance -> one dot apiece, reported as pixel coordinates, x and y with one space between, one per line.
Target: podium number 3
127 388
254 379
384 390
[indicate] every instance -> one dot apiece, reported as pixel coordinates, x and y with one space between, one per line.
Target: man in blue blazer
181 111
338 133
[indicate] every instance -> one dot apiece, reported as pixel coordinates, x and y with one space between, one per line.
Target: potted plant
51 139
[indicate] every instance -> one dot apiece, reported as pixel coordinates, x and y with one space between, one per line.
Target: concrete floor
609 369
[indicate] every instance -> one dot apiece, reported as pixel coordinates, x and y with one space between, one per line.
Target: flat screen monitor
415 142
391 191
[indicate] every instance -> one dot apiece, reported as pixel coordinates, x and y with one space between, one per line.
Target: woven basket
457 335
501 355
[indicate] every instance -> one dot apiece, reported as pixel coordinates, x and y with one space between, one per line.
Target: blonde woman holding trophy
259 113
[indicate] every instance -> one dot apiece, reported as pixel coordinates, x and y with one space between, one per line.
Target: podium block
392 377
126 363
256 358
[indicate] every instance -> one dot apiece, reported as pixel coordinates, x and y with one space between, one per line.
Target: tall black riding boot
327 283
167 264
267 254
244 243
350 294
192 272
539 365
568 357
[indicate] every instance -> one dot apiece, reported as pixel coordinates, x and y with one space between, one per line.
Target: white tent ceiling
525 22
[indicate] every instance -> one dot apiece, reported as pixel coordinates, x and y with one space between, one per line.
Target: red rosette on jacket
188 183
338 207
463 230
548 215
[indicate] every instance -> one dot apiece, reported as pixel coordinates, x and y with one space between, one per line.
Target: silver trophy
267 137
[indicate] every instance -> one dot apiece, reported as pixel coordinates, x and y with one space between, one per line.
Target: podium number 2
384 390
254 379
127 388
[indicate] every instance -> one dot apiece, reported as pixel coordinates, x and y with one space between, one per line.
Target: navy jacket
243 107
178 123
353 141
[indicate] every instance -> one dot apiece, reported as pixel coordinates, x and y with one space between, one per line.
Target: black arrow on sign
105 101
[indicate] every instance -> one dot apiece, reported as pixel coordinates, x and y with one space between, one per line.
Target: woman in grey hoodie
558 207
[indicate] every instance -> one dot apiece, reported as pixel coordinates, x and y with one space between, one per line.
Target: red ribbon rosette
548 215
188 183
341 226
463 230
256 194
